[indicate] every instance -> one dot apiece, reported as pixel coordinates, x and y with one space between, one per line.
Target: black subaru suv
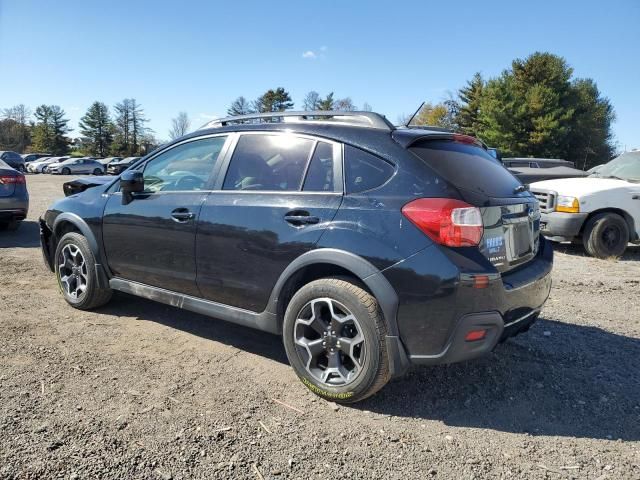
367 247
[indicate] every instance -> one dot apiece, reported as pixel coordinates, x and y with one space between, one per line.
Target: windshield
624 167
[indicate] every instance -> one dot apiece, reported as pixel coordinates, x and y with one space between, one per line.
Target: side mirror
131 181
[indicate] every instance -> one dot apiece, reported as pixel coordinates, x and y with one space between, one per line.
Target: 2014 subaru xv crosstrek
367 247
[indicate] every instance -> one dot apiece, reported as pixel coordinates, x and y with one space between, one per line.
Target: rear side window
364 171
467 167
268 162
320 175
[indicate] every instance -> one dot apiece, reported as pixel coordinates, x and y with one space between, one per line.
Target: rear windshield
467 167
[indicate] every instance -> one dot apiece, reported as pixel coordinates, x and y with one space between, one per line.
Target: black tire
97 171
606 235
21 169
372 373
66 171
91 296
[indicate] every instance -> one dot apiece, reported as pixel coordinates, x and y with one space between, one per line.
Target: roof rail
330 117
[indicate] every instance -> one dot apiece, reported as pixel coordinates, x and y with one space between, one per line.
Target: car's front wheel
75 267
334 336
66 171
97 171
606 235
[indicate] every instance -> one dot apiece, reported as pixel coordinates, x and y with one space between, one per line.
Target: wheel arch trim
358 266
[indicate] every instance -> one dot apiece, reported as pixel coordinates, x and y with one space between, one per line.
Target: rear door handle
300 217
182 215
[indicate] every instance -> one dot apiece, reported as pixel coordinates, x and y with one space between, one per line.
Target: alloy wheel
72 270
329 341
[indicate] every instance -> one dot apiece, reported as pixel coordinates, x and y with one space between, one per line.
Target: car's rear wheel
606 235
75 267
66 171
97 171
21 168
334 334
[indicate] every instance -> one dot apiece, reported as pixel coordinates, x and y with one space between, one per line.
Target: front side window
268 162
185 167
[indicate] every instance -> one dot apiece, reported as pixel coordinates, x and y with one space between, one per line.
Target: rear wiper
521 188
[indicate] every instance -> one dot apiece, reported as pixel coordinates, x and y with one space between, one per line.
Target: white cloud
324 48
309 54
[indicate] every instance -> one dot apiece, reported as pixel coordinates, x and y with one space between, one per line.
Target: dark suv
367 247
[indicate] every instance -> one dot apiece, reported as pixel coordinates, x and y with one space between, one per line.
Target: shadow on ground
26 236
576 381
631 254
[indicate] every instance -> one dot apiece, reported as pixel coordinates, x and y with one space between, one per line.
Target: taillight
9 180
446 221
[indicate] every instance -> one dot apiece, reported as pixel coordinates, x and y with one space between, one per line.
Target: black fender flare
361 268
78 222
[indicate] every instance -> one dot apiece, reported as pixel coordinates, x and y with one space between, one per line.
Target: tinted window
320 173
268 162
185 167
364 171
467 167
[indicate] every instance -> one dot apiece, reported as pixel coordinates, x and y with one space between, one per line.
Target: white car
39 165
601 211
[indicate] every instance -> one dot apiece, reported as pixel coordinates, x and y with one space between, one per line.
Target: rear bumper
10 215
561 227
437 310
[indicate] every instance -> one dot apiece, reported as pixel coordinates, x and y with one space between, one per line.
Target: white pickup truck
601 211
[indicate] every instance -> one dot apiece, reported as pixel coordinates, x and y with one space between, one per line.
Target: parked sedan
13 159
119 166
106 161
77 165
14 199
32 157
39 166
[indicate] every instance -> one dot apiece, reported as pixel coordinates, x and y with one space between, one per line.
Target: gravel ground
142 390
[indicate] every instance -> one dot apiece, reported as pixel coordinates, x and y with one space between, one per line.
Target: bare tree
18 120
344 104
179 125
311 101
366 107
240 106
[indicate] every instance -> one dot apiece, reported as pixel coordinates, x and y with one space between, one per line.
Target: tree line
124 133
536 108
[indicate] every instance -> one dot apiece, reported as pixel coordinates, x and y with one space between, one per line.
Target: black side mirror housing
131 181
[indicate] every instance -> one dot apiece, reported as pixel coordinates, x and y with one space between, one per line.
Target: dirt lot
142 390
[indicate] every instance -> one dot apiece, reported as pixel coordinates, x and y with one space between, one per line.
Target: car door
151 240
278 194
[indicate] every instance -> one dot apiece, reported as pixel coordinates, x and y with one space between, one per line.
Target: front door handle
182 215
300 217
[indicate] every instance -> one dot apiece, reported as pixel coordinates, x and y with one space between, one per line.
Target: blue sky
199 56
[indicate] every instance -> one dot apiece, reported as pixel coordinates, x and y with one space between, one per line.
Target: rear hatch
510 214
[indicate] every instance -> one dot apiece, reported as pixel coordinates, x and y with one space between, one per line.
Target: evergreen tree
130 127
468 105
537 109
326 103
50 130
277 100
97 129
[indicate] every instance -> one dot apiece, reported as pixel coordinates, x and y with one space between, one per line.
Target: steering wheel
189 182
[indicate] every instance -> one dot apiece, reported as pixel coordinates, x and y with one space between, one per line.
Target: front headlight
567 204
